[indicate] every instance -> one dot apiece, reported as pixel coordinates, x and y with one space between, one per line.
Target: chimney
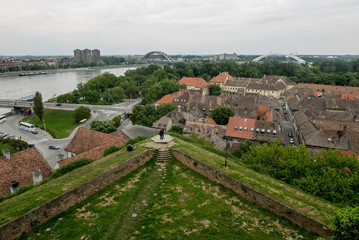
6 153
37 176
14 186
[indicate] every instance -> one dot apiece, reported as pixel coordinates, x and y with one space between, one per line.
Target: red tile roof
221 78
85 140
349 153
20 167
91 154
234 128
318 93
210 121
264 114
195 82
348 96
166 99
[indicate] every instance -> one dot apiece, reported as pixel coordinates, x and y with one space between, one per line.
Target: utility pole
44 125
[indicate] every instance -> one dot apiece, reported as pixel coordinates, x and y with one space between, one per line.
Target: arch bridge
156 56
298 59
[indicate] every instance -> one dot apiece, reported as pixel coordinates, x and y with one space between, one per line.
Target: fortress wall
63 202
252 195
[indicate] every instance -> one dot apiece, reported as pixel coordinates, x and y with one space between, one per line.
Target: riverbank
59 70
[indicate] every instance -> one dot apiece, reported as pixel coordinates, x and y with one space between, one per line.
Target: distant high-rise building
87 55
226 56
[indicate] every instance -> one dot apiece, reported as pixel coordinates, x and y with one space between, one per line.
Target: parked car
54 147
34 132
4 135
290 134
58 104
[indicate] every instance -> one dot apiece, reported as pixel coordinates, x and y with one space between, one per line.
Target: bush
112 149
176 129
71 166
345 224
82 113
136 140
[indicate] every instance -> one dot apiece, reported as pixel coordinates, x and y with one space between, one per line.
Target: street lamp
225 163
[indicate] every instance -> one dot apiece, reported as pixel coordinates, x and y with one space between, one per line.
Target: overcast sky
119 27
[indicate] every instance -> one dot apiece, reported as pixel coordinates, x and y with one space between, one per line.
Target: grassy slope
60 122
175 203
55 187
314 207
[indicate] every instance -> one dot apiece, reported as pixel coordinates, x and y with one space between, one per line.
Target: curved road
42 140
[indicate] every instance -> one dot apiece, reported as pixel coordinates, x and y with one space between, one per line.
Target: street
43 140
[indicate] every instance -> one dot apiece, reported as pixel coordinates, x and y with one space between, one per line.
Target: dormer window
235 128
252 130
245 129
240 129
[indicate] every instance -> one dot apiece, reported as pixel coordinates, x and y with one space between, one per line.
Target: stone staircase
163 156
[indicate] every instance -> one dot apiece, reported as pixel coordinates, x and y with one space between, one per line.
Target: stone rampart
63 202
252 195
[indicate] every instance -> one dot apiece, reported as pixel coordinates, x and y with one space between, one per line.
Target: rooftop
194 82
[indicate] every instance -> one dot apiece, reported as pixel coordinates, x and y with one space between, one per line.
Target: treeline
331 72
151 82
330 174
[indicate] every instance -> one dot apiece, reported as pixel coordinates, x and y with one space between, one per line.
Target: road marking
38 141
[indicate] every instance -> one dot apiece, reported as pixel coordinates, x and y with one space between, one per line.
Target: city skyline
186 27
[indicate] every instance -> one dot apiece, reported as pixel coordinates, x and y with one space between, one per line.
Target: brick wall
63 202
252 195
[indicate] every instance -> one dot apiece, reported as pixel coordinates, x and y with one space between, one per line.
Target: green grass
55 187
59 123
7 146
175 203
311 206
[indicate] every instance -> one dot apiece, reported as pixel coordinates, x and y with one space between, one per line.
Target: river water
51 84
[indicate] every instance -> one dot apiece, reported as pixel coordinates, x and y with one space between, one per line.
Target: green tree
214 90
118 94
345 224
104 126
243 148
221 115
38 105
82 113
117 120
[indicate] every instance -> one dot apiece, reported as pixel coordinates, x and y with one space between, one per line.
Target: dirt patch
205 203
187 213
206 223
107 201
166 219
131 183
87 215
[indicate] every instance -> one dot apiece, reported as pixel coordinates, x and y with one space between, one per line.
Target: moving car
58 104
54 147
290 135
291 140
